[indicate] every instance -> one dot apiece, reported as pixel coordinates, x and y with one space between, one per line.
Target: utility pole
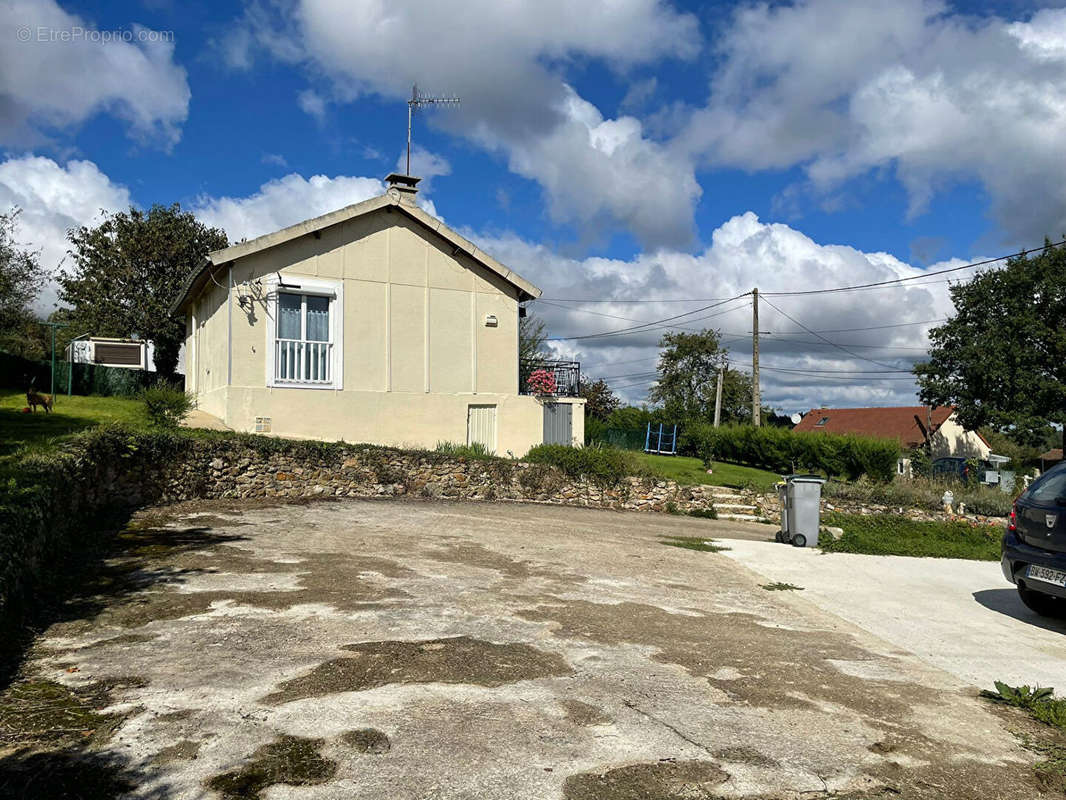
756 399
718 397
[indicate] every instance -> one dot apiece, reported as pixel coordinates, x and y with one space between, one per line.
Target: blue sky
635 150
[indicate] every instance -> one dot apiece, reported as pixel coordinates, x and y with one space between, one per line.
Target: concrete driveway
426 650
959 616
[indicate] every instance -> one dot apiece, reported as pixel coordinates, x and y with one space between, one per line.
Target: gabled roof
910 425
200 276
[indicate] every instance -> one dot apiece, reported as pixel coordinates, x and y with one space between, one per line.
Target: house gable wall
414 313
951 439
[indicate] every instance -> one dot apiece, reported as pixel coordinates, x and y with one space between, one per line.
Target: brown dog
34 399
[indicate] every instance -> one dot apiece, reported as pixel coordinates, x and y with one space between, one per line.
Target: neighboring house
911 426
375 323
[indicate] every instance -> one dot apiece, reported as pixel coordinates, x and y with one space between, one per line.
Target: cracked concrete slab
431 650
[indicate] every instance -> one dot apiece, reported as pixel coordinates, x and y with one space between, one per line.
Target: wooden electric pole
756 399
718 397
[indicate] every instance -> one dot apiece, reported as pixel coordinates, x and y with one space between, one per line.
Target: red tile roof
907 424
1054 454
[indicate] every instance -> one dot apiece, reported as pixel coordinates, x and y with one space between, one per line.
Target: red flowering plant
541 381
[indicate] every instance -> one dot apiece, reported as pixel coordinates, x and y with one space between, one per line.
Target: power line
620 300
823 344
641 328
602 314
914 277
827 341
871 327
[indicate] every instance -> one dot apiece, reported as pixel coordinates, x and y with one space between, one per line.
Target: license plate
1046 575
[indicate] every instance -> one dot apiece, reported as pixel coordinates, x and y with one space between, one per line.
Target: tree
129 270
688 374
20 280
1001 359
600 401
531 339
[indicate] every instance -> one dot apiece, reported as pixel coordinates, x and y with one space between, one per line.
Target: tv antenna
417 101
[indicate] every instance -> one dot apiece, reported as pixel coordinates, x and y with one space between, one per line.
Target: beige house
375 323
938 428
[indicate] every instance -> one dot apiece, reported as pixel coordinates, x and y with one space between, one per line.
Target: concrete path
392 650
201 419
959 616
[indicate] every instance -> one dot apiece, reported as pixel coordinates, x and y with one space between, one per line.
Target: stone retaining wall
242 472
768 507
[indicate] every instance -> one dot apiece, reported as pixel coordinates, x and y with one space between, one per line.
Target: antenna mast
418 101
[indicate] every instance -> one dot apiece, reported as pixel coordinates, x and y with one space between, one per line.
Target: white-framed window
305 334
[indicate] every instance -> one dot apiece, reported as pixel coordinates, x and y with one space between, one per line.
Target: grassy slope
690 471
895 536
71 414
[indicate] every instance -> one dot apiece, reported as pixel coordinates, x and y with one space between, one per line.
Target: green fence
17 372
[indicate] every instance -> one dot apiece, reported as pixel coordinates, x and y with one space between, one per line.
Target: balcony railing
567 376
298 361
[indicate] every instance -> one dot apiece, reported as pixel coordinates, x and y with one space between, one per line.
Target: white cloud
505 61
46 84
275 159
744 252
54 198
425 165
312 103
598 171
283 202
846 88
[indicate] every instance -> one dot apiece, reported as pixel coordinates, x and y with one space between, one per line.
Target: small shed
110 352
1050 458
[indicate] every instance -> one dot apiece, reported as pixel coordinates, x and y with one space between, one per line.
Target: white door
481 426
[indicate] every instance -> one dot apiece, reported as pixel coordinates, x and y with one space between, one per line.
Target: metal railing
298 361
567 376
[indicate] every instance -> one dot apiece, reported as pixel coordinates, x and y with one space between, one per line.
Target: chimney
402 187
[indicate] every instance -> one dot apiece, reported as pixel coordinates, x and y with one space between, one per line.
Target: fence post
647 438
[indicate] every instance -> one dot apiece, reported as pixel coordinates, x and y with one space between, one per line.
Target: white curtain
288 316
317 318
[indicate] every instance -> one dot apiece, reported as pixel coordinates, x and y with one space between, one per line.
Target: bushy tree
688 373
21 278
600 400
531 339
1001 359
128 270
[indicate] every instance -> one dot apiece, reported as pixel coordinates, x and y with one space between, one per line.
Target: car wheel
799 540
1043 604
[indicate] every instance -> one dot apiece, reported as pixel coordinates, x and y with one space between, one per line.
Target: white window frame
300 285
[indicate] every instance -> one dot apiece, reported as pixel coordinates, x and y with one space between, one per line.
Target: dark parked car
1034 546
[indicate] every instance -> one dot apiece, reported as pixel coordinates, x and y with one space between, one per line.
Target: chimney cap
400 180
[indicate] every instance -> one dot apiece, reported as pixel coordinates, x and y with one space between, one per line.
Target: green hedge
96 379
603 466
785 451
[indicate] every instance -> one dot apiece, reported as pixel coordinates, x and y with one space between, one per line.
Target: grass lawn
71 414
894 536
690 471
